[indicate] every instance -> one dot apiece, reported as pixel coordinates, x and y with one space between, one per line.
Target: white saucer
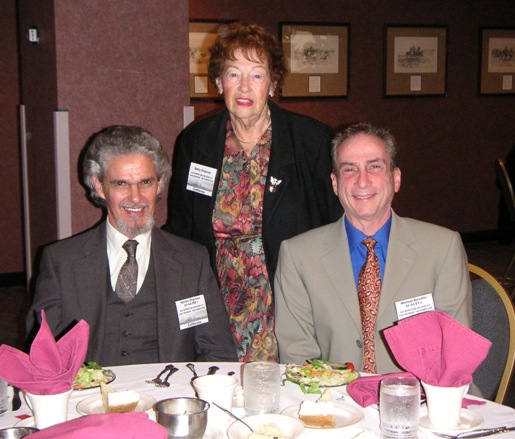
92 405
213 433
27 422
344 415
469 420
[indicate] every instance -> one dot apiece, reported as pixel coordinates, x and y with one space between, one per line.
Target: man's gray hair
120 140
368 130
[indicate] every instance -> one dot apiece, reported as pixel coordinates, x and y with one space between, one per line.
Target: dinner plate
344 416
289 426
108 374
213 433
93 404
469 420
27 422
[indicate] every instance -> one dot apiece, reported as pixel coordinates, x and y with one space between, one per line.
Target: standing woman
247 178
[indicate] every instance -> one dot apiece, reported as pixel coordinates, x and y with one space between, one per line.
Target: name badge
415 305
201 179
192 311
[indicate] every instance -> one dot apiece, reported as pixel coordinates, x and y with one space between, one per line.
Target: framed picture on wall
497 61
317 58
202 34
415 60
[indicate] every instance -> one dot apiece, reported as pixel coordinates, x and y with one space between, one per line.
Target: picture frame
202 34
415 60
497 61
317 59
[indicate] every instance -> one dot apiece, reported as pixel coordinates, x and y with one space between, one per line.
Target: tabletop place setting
62 396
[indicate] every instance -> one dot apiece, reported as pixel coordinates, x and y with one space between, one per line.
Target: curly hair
247 38
119 140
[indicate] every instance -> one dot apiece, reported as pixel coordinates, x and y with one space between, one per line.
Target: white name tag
415 305
192 311
201 179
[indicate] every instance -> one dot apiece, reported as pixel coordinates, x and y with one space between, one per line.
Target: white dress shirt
117 255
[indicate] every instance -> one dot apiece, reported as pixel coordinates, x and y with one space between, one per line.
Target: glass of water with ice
399 405
261 387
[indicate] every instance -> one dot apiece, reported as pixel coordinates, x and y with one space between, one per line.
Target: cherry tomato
350 366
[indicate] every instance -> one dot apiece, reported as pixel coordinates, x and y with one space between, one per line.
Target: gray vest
131 329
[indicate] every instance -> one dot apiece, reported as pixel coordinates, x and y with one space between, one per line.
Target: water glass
399 405
3 396
261 387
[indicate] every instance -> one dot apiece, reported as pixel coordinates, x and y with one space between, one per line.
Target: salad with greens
314 375
90 375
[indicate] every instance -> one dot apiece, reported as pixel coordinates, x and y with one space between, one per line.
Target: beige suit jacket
317 310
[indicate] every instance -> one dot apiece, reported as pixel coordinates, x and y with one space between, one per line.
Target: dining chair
504 182
493 316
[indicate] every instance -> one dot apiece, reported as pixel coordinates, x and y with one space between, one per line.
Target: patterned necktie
369 288
128 277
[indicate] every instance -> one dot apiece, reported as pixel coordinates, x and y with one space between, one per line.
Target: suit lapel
211 148
169 277
91 274
281 156
338 266
399 261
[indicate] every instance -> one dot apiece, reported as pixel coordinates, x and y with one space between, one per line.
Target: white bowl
290 427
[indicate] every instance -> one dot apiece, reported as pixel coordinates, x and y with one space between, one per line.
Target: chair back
493 316
504 182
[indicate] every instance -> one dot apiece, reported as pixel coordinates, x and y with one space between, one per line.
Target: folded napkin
106 426
365 390
437 349
51 367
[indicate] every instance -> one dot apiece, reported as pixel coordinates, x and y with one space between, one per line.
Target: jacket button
125 354
359 344
126 333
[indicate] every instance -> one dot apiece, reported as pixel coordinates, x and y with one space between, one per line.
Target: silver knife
484 432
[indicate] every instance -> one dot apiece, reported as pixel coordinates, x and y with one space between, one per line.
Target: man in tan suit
422 266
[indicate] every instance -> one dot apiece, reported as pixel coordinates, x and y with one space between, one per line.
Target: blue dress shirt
358 252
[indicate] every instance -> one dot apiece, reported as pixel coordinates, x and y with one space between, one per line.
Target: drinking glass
3 396
261 387
399 405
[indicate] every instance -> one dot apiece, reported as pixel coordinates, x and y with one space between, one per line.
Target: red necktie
369 288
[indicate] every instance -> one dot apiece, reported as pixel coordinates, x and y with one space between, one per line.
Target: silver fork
476 433
157 380
165 382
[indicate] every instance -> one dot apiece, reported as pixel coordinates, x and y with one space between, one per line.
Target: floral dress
240 257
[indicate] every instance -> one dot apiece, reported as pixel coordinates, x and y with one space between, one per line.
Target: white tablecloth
133 377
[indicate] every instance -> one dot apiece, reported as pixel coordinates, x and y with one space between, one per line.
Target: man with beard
148 296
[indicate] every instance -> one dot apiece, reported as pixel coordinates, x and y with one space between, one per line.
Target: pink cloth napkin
437 349
106 426
365 390
51 367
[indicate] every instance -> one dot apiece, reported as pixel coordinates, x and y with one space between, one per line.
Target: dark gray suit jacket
73 283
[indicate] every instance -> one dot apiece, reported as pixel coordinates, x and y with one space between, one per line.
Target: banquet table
133 377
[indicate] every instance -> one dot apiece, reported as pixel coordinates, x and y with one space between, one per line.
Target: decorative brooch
274 184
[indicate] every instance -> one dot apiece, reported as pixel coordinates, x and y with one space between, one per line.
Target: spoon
238 419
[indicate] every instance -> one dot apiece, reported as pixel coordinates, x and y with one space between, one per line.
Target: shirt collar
116 239
355 236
